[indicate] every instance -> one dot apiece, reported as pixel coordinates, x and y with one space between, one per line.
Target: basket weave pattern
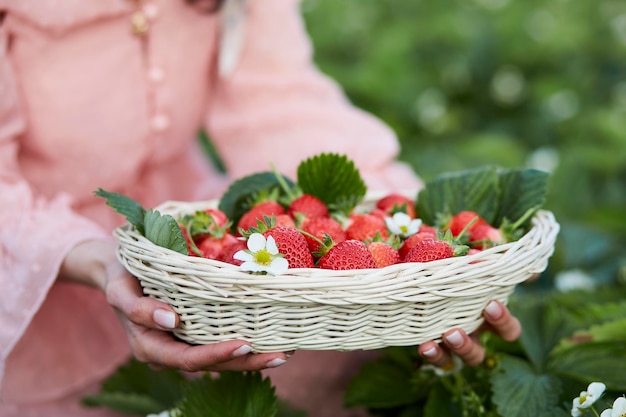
316 309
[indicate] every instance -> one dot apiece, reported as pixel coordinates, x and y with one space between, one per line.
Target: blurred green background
464 83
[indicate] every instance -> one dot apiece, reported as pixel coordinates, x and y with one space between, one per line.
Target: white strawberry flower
454 366
262 256
587 398
402 224
618 410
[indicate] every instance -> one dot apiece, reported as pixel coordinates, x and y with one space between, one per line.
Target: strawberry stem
292 193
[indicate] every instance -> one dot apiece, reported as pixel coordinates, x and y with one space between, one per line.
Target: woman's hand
148 322
498 319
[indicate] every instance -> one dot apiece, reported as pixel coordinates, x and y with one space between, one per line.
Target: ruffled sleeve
35 234
277 106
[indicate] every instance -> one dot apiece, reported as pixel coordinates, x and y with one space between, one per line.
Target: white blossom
618 410
401 224
262 256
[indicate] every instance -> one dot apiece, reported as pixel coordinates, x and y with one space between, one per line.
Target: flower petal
619 407
256 242
278 266
607 413
251 266
271 245
243 255
401 219
392 226
596 389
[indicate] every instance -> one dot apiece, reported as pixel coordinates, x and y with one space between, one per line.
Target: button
160 122
150 10
156 74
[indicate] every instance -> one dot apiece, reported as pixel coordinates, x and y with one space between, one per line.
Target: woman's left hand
498 319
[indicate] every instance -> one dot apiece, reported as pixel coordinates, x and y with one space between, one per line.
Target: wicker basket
316 309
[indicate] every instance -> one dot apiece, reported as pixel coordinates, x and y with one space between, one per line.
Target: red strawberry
459 221
229 251
214 247
393 203
485 236
292 244
349 254
431 249
218 216
307 206
424 228
256 214
384 254
320 227
284 220
365 226
412 241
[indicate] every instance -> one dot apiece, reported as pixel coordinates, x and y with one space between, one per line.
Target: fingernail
275 362
430 353
290 353
164 318
242 350
455 338
493 310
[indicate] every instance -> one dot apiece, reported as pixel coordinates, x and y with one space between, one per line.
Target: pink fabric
85 104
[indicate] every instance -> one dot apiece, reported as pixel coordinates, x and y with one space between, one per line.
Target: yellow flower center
263 257
404 228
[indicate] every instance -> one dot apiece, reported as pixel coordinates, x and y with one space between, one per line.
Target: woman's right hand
148 322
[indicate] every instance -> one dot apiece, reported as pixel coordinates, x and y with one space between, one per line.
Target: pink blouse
85 103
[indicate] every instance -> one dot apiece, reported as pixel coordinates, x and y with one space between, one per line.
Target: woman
111 94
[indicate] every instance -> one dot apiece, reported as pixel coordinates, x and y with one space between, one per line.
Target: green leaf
382 383
163 230
125 206
593 361
450 193
439 403
521 190
518 391
230 394
136 385
241 193
544 324
123 402
334 179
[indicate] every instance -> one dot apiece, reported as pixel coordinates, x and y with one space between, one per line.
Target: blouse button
151 11
156 74
160 122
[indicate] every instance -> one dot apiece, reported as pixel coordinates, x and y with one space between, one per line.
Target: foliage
511 83
569 340
136 389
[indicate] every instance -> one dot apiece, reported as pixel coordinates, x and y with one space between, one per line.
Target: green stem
595 413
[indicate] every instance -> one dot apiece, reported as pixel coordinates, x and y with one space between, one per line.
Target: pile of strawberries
308 236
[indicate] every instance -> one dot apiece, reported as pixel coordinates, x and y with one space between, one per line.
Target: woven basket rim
312 277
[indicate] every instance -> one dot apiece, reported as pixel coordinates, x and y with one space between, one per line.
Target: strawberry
318 228
366 226
293 245
219 217
431 249
307 206
349 254
384 254
461 220
411 241
485 236
230 250
214 247
284 220
393 203
256 213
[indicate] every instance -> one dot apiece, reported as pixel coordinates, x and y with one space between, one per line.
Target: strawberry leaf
125 206
231 394
521 190
238 197
334 179
163 230
519 390
450 193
